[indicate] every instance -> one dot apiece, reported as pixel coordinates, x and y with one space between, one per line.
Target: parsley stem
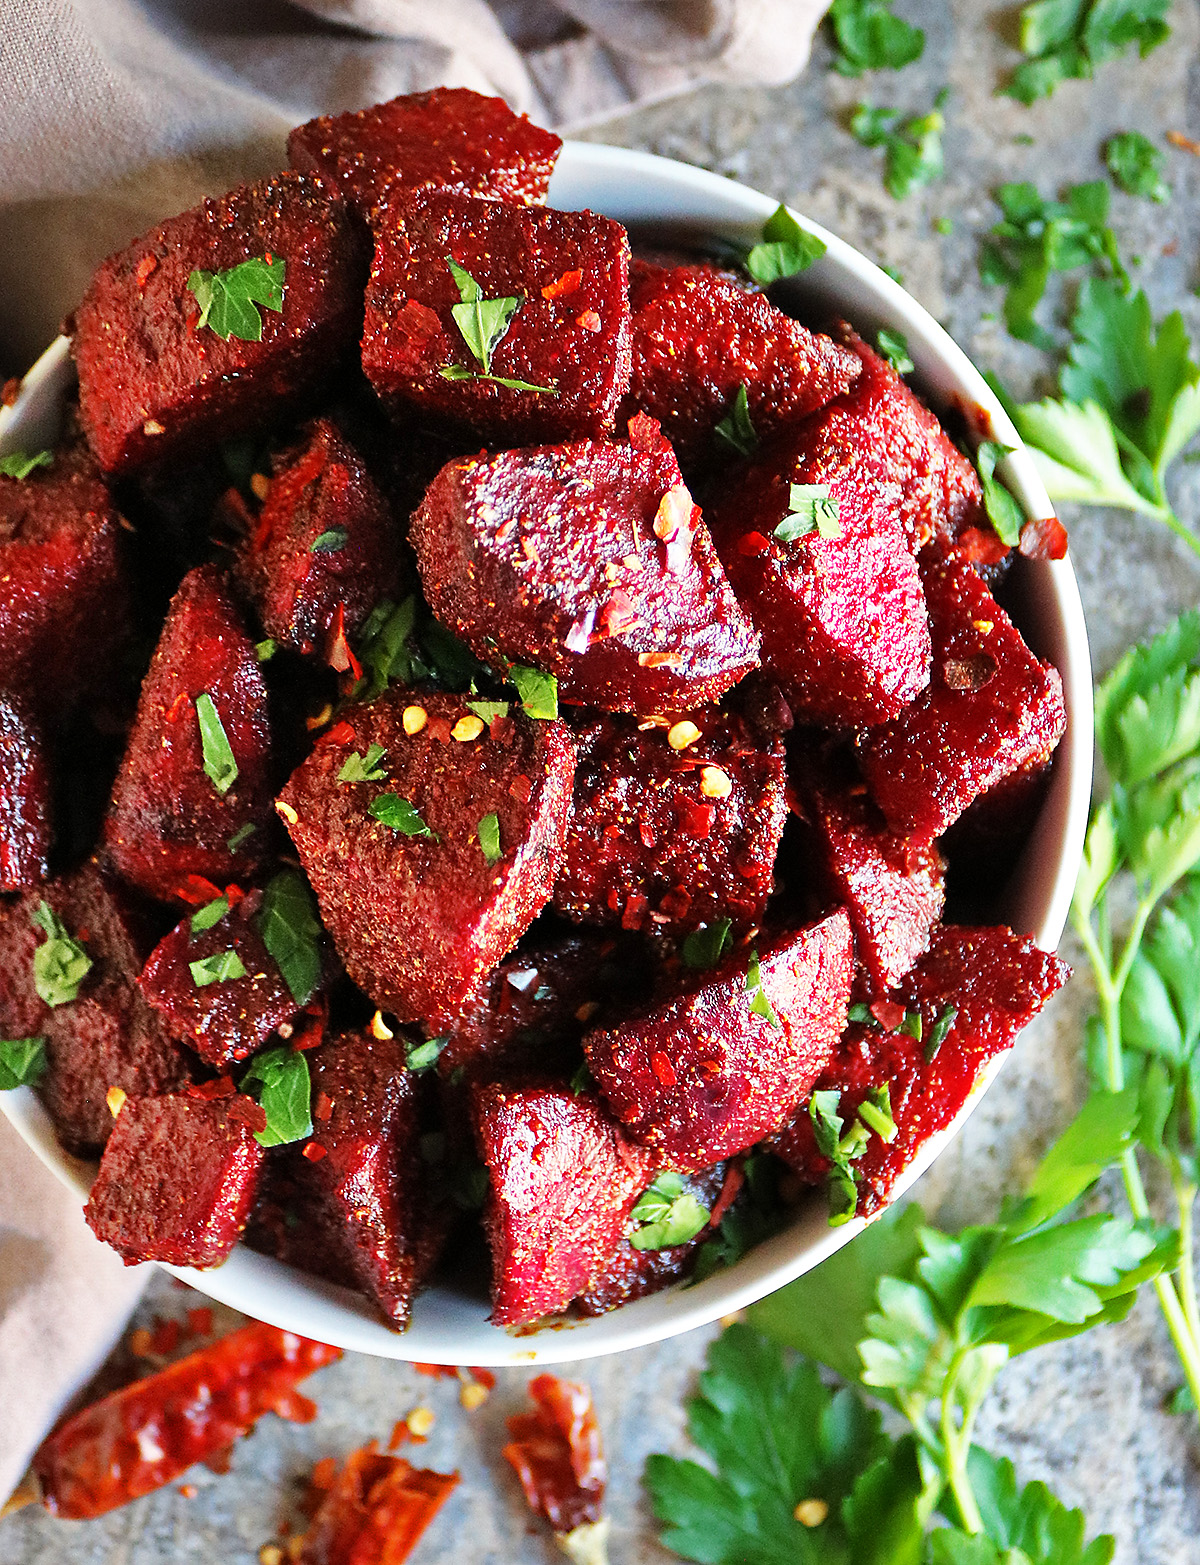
956 1444
1165 514
1185 1196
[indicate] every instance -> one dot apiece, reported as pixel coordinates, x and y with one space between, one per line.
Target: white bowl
450 1326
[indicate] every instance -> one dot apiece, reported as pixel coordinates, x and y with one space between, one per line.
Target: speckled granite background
1087 1416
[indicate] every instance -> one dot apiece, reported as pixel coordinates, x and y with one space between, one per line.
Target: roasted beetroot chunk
706 1075
448 139
564 1180
64 599
25 834
222 1019
991 708
590 562
418 910
324 541
570 334
990 983
669 831
698 335
177 1179
170 821
153 381
842 618
107 1036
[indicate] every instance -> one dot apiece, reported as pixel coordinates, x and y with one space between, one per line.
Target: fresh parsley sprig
231 301
870 38
482 324
1065 41
785 250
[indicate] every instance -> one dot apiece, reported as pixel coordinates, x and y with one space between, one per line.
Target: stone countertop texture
1085 1416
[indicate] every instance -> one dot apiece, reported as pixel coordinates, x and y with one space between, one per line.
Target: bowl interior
451 1326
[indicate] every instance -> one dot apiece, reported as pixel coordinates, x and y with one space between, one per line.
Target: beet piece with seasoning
722 1065
568 334
177 1179
557 1454
25 808
324 548
564 1180
699 335
373 1512
589 562
106 1035
992 707
196 769
673 827
64 593
449 139
429 873
153 382
974 989
841 612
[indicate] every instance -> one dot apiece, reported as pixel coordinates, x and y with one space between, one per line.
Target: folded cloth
120 112
64 1299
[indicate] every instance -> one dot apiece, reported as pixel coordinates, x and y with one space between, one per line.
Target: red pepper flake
663 1069
589 320
887 1013
200 1321
618 614
483 1376
753 544
308 1029
195 890
1044 539
521 789
140 1343
1184 143
374 1509
178 707
645 433
557 1454
634 915
248 1113
188 1491
323 1108
340 733
400 1434
314 1152
982 547
165 1338
440 728
735 1178
696 818
209 1091
438 1371
9 392
147 265
568 283
501 728
340 657
968 675
323 1474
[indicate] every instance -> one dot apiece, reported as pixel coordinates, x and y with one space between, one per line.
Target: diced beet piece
590 562
704 1076
448 139
64 597
324 540
228 1019
168 821
990 709
25 834
669 838
699 335
892 886
176 1180
421 919
108 1036
153 382
570 333
996 982
630 1274
842 618
563 1182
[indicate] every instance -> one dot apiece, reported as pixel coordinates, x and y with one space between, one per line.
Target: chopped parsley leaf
1003 508
736 429
810 507
704 947
60 963
760 1004
291 932
219 765
399 814
231 301
538 691
240 836
1137 165
666 1213
939 1032
330 541
19 465
482 324
285 1095
358 768
870 38
893 346
488 832
913 146
216 969
421 1056
22 1061
785 250
209 915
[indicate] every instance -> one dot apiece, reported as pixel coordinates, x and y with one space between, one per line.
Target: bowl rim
449 1327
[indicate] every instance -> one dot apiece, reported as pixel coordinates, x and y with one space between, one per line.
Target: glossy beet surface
421 919
25 807
448 139
176 1179
170 823
588 561
705 1075
153 382
667 835
569 335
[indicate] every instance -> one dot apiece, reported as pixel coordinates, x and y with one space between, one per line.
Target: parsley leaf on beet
538 691
231 301
488 833
705 946
365 767
913 146
60 963
1137 165
666 1213
482 324
736 429
291 932
22 1062
870 38
399 814
1065 39
208 916
220 767
785 249
893 346
1002 506
217 969
284 1094
18 464
810 508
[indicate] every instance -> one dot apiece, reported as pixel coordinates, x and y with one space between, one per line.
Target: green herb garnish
285 1095
483 324
760 1003
1003 508
488 832
399 814
209 915
216 969
705 946
810 508
22 1062
1137 165
736 428
1069 38
266 649
939 1032
786 249
870 38
240 836
358 768
489 711
893 346
60 963
421 1056
913 146
219 765
231 301
291 932
330 541
18 465
538 691
666 1213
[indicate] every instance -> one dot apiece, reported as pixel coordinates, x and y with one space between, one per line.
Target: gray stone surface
1087 1417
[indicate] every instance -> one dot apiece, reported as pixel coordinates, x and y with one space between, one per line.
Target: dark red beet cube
669 831
64 598
563 1182
570 333
222 1019
705 1075
324 541
108 1036
448 139
842 618
170 821
153 381
25 833
994 983
991 708
698 335
590 562
176 1181
418 911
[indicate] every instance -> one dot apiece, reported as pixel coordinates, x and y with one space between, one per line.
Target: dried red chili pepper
557 1453
373 1512
147 1434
